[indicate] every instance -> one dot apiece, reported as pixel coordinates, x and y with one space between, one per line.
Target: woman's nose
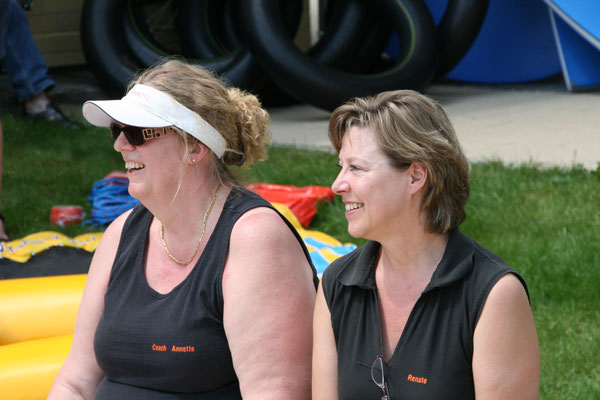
340 184
122 143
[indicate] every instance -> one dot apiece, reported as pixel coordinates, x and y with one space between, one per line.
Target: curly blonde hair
410 127
236 114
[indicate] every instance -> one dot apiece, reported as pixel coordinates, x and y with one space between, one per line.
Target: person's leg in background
25 66
3 235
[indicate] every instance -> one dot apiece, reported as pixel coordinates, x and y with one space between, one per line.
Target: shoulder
241 200
268 301
260 225
479 267
348 267
494 268
507 301
471 274
113 232
340 265
491 280
463 250
101 265
261 239
508 288
506 351
487 258
352 269
105 253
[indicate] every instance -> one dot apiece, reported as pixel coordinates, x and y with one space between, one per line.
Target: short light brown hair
412 128
236 114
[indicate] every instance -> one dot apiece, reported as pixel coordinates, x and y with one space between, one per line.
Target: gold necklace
206 214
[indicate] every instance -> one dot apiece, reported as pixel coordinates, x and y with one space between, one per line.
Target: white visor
147 107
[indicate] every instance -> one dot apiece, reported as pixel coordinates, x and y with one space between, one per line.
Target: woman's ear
418 176
198 152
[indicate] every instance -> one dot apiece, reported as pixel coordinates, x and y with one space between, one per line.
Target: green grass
543 222
45 165
546 224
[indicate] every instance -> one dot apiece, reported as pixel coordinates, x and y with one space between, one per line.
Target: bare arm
506 361
324 370
268 303
80 374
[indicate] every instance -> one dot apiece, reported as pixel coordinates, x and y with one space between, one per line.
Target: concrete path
538 124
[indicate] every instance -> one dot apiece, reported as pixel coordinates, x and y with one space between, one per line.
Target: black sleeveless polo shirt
170 346
433 357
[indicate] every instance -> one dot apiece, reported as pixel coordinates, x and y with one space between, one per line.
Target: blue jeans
19 55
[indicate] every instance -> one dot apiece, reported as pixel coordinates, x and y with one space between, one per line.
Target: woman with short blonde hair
421 311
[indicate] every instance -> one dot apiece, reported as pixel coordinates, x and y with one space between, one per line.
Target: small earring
193 160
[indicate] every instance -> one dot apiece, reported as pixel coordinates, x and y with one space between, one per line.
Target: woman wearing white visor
203 291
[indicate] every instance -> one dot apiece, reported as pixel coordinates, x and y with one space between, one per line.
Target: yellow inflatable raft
37 319
35 308
27 369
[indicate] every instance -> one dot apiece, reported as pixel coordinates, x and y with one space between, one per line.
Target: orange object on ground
301 200
66 215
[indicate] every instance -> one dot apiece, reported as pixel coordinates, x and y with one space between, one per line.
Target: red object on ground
302 201
65 215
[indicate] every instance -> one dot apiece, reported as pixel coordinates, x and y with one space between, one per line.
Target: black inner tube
211 37
115 52
325 87
457 31
145 34
103 46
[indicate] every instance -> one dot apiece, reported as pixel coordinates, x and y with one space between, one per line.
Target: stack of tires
365 46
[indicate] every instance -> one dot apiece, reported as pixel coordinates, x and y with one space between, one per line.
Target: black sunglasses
136 135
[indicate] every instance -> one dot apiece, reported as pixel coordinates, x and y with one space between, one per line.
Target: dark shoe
53 114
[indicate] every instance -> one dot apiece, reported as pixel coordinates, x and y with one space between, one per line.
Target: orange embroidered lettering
417 379
159 348
183 349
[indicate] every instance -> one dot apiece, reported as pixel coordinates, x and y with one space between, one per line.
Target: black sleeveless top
433 357
166 346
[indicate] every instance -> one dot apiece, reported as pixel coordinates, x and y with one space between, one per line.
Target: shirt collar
456 262
361 270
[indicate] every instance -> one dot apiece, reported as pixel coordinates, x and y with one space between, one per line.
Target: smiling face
375 194
151 167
